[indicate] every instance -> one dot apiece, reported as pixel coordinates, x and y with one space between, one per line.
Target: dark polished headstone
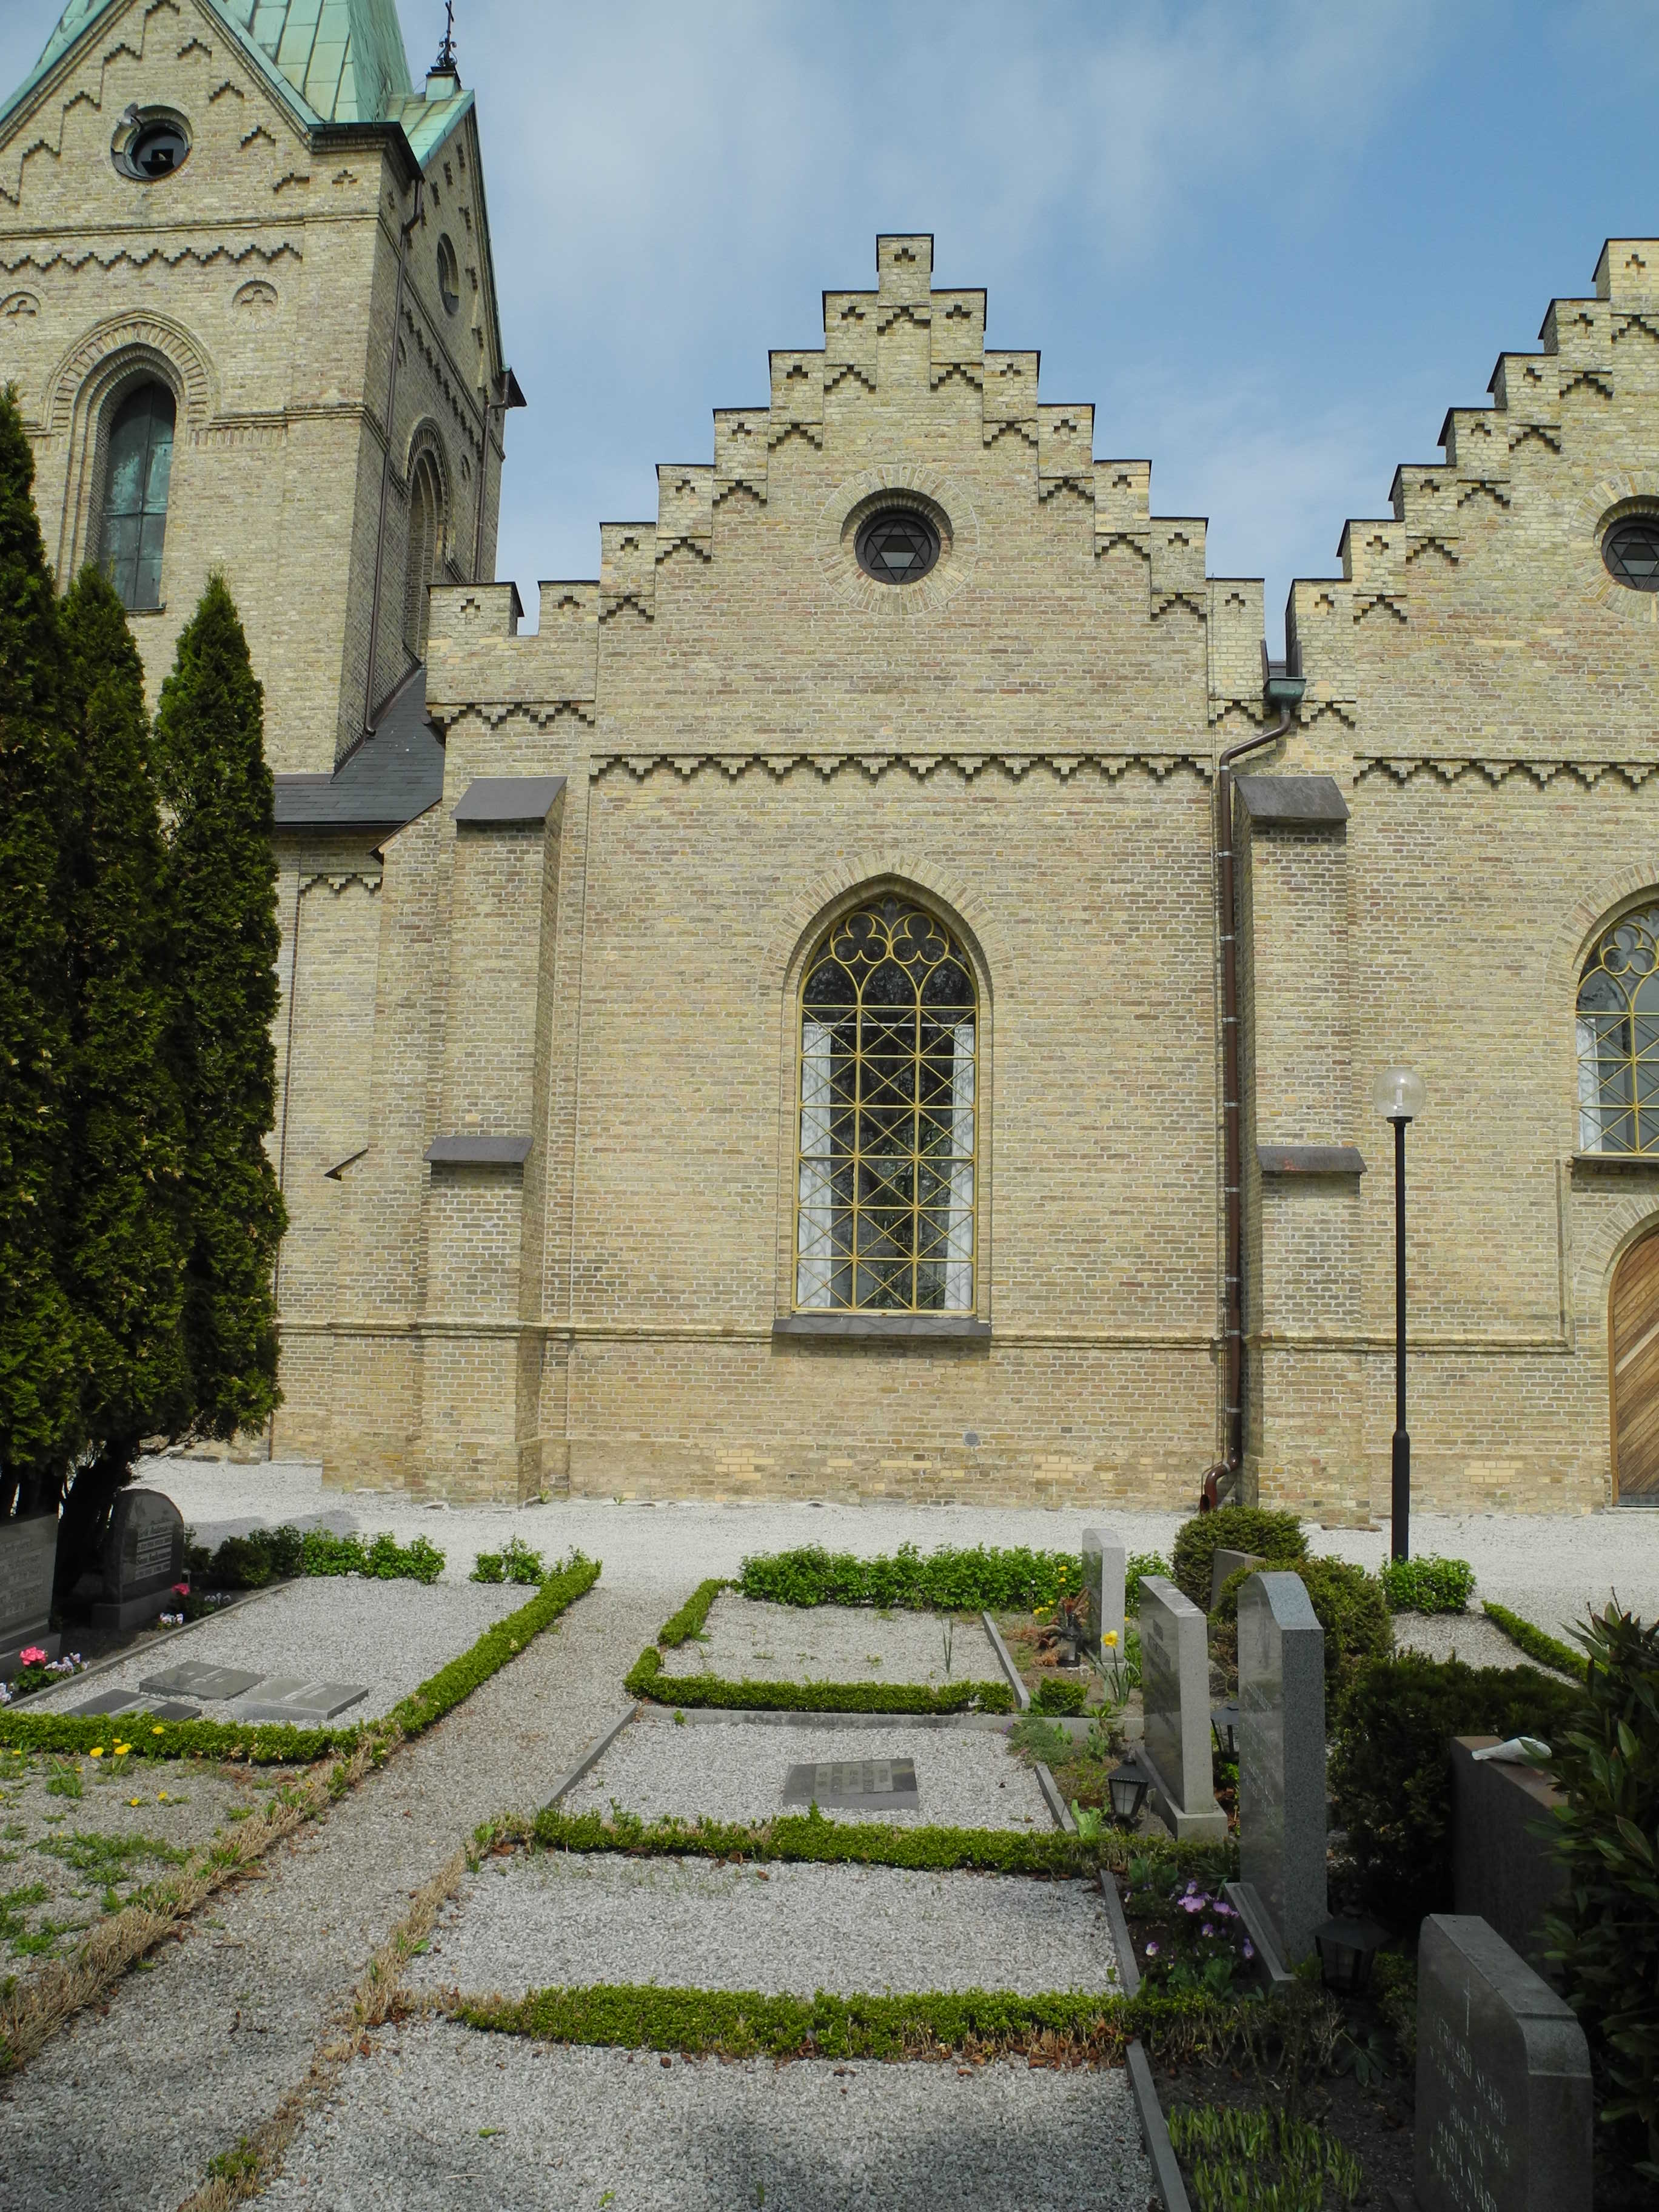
28 1561
1282 1818
215 1685
1503 2079
844 1782
301 1700
143 1558
1500 1868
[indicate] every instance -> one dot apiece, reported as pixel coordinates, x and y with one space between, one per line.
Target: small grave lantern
1127 1786
1223 1725
1347 1948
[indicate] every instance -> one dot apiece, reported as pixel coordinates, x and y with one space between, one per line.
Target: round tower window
449 276
898 546
152 147
1631 549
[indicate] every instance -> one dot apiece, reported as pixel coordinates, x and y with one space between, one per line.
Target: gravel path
1549 1567
1466 1636
834 1643
439 2116
389 1637
965 1778
550 1920
195 2052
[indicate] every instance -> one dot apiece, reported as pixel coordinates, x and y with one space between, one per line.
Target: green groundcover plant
267 1555
269 1744
1276 1537
1428 1585
1262 2162
984 1578
516 1562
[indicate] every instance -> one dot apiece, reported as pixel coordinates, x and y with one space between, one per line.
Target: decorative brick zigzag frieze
1496 769
780 763
45 141
169 257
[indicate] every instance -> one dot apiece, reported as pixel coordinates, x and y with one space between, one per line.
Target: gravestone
1225 1563
213 1685
304 1703
1503 2079
1174 1692
1500 1869
1103 1558
108 1703
28 1561
143 1558
867 1781
1281 1756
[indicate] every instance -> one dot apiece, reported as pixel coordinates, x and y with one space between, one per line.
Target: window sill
1615 1159
959 1328
142 614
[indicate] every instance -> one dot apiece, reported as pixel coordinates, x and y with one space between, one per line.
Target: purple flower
1191 1904
1191 1886
1206 1930
1152 1950
1224 1908
1249 1949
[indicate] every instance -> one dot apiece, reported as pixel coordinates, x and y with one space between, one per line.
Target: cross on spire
445 63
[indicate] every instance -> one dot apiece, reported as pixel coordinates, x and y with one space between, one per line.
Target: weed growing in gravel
14 1904
107 1858
63 1781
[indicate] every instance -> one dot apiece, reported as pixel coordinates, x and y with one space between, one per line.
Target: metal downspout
404 237
1284 690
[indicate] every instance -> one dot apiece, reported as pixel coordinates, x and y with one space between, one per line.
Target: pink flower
181 1590
32 1656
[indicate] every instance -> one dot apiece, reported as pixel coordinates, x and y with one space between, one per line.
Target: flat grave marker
1503 2079
108 1703
1282 1821
1175 1691
28 1562
847 1782
303 1700
213 1685
143 1558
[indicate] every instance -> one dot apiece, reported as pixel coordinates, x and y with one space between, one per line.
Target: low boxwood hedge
984 1578
277 1744
646 1678
1548 1651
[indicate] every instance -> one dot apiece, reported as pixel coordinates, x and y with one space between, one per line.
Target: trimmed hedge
1428 1585
1390 1767
984 1579
802 1839
646 1678
1353 1611
1276 1537
1548 1651
688 1622
275 1744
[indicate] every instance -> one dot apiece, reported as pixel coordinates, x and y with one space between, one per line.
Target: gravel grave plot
1469 1637
558 1919
440 2116
80 1837
966 1778
751 1642
389 1636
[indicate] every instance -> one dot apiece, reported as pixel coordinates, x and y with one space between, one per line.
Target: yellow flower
97 1750
1110 1637
132 1800
156 1730
121 1748
161 1796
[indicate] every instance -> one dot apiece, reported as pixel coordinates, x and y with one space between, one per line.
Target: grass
109 1858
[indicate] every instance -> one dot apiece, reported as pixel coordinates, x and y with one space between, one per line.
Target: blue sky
1273 244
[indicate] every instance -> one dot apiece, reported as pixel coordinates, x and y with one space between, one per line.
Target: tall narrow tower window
135 480
425 538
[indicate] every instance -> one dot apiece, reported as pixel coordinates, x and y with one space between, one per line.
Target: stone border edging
1127 1969
1021 1695
770 1716
120 1658
1057 1805
1160 2151
593 1754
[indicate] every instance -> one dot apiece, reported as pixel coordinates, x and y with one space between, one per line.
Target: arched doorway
1634 1339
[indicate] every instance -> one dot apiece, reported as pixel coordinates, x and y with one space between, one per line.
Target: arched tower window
135 509
884 1209
426 521
1618 1038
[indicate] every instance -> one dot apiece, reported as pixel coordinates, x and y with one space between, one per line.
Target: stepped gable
1489 563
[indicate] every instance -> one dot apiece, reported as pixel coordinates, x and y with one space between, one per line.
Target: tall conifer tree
122 1261
39 1377
220 880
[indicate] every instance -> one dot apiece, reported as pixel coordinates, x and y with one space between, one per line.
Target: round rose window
1631 551
898 546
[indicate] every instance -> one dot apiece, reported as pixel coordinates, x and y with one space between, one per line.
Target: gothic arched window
135 509
1618 1038
884 1195
426 531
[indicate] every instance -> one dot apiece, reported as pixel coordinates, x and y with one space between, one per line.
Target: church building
879 996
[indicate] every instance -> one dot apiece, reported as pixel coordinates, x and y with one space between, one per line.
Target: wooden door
1634 1316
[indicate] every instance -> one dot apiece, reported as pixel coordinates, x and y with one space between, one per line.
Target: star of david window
1631 551
898 546
1619 1039
886 1166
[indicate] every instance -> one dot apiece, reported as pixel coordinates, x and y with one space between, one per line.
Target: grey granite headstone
215 1685
144 1558
305 1703
1503 2079
1225 1563
1103 1558
1282 1819
889 1781
1174 1692
28 1560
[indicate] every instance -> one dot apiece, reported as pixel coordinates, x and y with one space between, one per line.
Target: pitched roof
394 775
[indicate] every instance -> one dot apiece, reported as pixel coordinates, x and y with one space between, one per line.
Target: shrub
946 1581
1389 1776
515 1563
1429 1585
250 1561
1058 1693
1607 1937
1235 1528
1137 1564
1352 1609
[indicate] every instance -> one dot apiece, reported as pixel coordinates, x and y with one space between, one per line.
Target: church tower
247 300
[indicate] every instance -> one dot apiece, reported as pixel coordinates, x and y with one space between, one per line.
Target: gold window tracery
885 1165
1618 1038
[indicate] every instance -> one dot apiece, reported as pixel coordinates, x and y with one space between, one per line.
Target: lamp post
1398 1094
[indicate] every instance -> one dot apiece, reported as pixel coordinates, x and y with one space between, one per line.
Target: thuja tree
122 1262
218 883
39 1373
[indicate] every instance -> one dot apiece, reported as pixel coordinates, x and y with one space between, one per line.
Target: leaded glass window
1619 1039
1631 551
884 1205
135 480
